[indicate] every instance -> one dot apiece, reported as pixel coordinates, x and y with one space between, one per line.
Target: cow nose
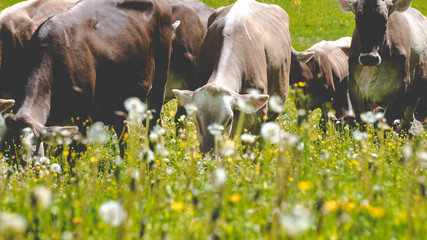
370 59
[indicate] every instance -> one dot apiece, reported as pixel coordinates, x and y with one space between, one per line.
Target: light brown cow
87 60
247 46
17 25
323 70
388 58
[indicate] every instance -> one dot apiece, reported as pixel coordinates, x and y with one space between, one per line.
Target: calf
87 60
388 58
17 25
247 46
323 70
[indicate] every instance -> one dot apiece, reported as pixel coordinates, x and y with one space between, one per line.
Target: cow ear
347 5
254 102
184 97
400 5
6 104
175 25
303 56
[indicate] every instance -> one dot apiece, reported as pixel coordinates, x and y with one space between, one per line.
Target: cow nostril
370 59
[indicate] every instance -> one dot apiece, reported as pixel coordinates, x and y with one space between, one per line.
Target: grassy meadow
367 183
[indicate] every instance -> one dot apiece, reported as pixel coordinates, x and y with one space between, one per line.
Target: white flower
228 148
12 224
289 138
56 168
247 138
407 151
245 105
97 133
41 196
190 108
146 154
360 136
220 177
301 112
112 213
44 160
422 158
271 132
370 117
297 221
136 108
215 129
156 133
276 104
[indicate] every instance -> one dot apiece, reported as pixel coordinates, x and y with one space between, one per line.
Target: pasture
366 183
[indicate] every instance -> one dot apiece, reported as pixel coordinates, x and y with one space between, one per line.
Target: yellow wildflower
331 206
305 185
235 198
177 206
375 211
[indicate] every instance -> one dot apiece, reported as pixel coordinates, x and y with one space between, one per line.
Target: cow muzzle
370 59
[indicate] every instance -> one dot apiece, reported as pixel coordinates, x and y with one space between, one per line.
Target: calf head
371 24
216 105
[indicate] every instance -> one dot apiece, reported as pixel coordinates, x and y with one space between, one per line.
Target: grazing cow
17 25
247 46
388 58
87 60
323 69
186 40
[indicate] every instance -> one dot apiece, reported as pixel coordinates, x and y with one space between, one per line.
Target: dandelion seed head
41 196
275 103
56 168
112 213
97 133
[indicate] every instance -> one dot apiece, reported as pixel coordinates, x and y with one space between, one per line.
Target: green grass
327 186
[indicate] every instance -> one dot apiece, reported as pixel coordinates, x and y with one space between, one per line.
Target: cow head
371 24
216 105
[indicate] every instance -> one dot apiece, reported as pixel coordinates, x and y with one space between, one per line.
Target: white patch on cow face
213 107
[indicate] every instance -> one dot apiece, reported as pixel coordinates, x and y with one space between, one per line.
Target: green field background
311 20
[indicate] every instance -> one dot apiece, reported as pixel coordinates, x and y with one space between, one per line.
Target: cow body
247 46
87 60
186 40
323 69
17 25
388 58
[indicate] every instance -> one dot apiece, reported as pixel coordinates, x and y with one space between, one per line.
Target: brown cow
87 60
388 58
247 46
17 25
193 19
323 69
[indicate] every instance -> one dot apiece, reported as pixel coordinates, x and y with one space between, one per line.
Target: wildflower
136 109
375 211
235 198
247 104
156 133
370 117
422 158
220 177
41 196
177 206
348 206
44 160
305 185
271 131
97 133
301 112
360 136
215 129
289 139
228 148
56 168
190 108
146 154
112 213
330 206
417 129
247 138
383 125
276 104
297 221
302 84
12 224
